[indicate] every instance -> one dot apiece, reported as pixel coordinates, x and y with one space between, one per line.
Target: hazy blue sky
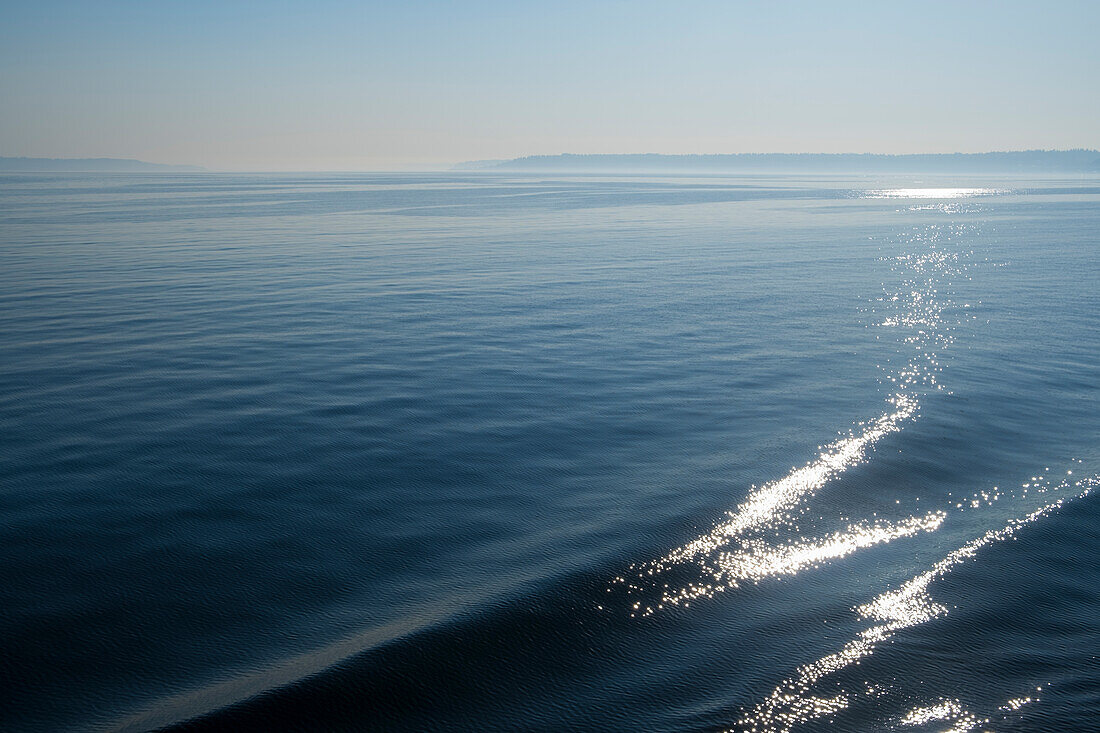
370 86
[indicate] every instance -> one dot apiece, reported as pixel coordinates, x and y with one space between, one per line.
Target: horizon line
450 166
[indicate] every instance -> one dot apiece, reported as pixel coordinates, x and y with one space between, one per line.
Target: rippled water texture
522 453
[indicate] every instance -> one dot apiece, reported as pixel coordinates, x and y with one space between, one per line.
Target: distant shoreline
1021 161
90 165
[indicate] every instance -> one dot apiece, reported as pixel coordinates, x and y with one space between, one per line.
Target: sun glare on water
762 538
931 193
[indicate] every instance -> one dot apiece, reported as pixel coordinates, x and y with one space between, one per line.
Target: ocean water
475 452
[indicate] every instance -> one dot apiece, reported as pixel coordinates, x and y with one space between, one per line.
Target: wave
762 539
741 547
794 702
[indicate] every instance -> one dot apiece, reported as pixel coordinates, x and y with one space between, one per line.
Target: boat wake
797 700
762 538
743 547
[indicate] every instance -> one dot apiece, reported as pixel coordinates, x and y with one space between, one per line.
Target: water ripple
735 550
794 701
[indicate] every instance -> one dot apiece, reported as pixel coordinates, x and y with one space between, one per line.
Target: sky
413 85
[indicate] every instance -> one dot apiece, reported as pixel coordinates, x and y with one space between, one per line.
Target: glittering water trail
767 504
758 560
794 702
957 716
734 550
931 193
950 711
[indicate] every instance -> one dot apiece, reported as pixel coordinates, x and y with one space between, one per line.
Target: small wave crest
795 701
743 546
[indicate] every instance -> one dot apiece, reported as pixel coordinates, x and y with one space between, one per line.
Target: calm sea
475 452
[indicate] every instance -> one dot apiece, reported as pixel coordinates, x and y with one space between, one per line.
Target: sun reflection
762 538
951 711
756 559
931 193
793 702
735 550
759 561
955 714
1015 704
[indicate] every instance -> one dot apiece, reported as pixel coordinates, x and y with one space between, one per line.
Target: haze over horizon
342 86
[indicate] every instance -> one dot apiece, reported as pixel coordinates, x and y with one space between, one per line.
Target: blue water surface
484 452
